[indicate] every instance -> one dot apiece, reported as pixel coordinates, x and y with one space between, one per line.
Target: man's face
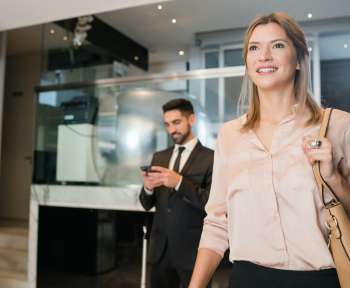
178 125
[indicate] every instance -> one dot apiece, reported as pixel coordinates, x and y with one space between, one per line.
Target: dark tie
178 158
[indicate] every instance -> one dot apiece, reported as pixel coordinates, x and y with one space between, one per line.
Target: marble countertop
94 197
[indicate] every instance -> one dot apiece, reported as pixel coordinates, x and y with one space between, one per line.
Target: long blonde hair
303 97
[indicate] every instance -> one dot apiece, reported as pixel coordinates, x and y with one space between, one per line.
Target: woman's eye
253 48
279 45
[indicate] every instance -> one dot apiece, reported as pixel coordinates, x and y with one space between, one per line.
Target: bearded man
177 185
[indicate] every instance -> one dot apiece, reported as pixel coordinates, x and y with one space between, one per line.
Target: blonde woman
264 204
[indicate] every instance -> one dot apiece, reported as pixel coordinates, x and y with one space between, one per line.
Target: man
178 186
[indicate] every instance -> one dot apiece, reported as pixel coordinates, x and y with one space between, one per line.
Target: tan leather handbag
338 222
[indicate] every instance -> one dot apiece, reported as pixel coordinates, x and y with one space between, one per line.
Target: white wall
19 13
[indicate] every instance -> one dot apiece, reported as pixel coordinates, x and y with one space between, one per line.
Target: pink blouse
264 205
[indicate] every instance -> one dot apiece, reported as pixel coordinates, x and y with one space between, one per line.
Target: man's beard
181 137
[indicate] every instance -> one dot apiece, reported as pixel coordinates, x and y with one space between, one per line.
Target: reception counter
91 197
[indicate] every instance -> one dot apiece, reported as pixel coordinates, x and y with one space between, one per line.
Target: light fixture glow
159 7
65 38
173 21
309 49
309 15
52 31
346 45
136 58
181 52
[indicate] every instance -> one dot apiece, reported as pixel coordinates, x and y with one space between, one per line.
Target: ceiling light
181 52
309 49
52 31
136 58
309 15
173 21
65 38
346 45
159 7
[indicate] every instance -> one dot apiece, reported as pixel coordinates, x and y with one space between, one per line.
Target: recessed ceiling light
309 15
181 52
159 7
346 45
52 31
309 49
65 38
136 58
173 20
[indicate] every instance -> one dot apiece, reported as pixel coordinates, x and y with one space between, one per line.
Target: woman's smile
271 53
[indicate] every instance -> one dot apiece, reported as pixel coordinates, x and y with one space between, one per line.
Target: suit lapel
190 159
165 160
166 163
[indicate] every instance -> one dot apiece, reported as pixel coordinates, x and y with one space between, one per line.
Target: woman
264 203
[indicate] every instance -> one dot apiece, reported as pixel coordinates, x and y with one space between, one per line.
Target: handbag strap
321 183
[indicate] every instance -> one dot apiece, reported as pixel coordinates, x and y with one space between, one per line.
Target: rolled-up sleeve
215 231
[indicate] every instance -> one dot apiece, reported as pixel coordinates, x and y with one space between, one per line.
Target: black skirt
249 275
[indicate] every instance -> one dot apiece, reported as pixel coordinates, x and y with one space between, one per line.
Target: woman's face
271 58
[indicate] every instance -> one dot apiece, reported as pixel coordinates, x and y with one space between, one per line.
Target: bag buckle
333 228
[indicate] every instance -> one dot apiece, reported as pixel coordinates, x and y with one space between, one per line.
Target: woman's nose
265 54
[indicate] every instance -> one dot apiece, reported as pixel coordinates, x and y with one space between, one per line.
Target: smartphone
145 168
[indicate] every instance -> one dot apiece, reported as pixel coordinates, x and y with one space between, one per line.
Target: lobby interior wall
22 75
2 84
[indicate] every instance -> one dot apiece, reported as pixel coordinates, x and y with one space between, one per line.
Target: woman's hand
320 149
206 263
330 173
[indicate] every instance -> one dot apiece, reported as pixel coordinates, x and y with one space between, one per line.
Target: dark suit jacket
178 220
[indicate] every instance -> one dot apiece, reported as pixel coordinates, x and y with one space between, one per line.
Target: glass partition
99 133
335 69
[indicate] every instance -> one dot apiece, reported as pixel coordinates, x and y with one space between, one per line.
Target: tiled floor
13 253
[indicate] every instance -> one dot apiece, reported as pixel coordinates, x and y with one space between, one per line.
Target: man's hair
183 105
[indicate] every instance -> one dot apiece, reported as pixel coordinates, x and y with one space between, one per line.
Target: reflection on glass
130 130
101 135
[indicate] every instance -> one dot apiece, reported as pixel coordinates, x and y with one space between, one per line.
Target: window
221 95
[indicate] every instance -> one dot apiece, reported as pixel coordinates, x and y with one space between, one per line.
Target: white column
33 239
2 81
316 70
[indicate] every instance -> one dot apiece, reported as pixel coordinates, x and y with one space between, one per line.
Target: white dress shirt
189 146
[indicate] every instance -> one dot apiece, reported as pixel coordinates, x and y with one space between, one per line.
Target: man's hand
160 176
151 180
